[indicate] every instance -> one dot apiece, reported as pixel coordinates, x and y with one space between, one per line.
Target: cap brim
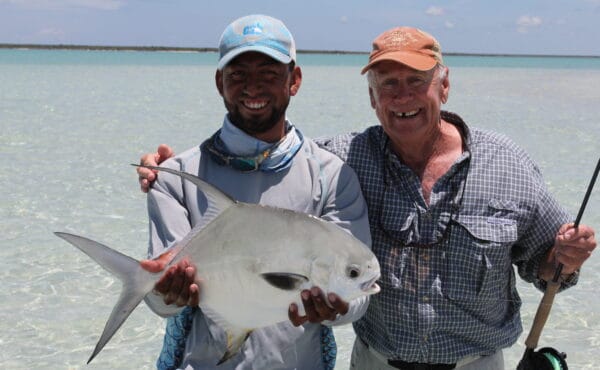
278 56
417 61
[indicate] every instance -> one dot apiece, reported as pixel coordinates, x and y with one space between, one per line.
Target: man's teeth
257 105
407 114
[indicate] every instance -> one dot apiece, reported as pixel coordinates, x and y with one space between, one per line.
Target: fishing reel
546 358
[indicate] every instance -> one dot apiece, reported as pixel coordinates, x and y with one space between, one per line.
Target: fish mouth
370 286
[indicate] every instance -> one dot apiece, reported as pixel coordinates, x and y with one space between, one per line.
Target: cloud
435 11
449 24
344 19
51 32
526 22
65 4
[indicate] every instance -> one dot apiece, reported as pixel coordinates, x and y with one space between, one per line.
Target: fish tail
136 281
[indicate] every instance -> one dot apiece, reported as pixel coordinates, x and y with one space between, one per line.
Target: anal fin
235 336
235 341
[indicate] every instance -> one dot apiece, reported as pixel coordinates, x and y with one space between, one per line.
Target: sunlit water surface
71 122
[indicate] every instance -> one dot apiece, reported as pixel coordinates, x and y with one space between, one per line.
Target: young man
258 156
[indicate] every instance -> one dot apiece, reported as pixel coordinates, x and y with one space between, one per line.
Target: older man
452 209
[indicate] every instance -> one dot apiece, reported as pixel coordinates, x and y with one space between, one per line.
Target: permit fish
247 255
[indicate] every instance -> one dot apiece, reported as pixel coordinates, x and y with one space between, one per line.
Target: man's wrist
570 278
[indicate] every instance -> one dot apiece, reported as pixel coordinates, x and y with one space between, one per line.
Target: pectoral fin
285 280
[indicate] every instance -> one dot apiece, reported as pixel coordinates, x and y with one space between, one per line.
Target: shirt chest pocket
477 257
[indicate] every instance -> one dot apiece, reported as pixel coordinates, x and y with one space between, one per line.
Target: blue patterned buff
179 326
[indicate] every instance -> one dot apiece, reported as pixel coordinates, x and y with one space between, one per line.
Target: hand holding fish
572 247
178 284
317 307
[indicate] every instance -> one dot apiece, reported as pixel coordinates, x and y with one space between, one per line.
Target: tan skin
256 90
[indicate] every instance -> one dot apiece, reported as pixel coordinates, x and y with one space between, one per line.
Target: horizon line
212 49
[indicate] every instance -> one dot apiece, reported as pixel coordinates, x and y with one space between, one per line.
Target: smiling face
407 101
256 90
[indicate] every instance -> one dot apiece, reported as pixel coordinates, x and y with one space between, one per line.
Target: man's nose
403 94
253 83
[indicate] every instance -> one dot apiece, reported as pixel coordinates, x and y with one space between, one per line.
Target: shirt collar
238 142
231 142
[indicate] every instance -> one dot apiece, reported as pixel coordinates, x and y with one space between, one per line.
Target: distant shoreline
204 50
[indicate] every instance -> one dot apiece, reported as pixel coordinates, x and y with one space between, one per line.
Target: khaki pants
364 358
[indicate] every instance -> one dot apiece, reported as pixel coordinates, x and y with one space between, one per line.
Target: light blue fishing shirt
315 182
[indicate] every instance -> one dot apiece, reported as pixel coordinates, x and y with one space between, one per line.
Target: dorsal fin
216 200
213 195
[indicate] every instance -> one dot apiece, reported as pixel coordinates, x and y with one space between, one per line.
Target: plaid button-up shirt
448 283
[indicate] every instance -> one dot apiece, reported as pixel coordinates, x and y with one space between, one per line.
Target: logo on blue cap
253 29
258 33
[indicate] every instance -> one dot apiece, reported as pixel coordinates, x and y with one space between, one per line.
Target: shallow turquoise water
71 122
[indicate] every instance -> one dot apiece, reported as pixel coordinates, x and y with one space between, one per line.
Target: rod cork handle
541 315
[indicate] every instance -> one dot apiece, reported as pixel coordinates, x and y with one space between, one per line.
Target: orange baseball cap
406 45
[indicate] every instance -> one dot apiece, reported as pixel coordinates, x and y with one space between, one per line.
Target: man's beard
258 125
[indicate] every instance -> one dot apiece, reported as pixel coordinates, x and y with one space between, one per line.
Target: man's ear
219 81
445 86
371 97
295 80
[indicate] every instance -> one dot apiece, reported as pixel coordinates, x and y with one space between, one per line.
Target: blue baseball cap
259 33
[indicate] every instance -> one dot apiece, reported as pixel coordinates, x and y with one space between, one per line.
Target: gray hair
443 71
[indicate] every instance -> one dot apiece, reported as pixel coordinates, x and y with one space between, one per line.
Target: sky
540 27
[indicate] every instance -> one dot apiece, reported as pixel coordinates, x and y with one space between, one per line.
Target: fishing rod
549 358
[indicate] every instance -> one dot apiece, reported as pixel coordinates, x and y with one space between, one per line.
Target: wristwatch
570 278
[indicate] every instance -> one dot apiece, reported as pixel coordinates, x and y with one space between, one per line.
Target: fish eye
353 271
